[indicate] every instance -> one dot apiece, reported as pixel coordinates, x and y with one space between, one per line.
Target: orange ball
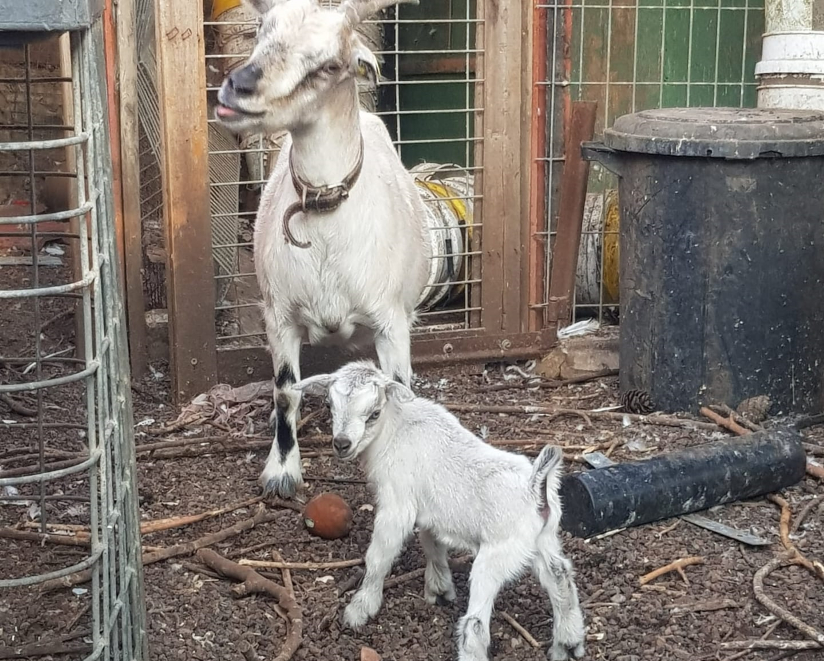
328 516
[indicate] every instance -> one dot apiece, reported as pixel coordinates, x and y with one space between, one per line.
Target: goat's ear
364 63
261 6
315 385
399 392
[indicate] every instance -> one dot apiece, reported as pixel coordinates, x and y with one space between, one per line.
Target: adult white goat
361 261
429 471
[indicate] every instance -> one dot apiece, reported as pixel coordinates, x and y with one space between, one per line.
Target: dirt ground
194 615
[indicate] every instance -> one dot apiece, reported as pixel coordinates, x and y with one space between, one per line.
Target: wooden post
121 73
502 194
537 246
185 176
571 212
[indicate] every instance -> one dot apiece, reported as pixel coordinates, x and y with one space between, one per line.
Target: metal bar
60 573
37 478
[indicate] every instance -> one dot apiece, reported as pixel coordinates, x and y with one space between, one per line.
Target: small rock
368 654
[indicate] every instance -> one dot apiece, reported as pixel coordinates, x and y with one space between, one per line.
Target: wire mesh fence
627 56
71 576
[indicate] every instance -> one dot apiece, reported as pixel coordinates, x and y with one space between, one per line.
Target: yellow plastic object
611 248
221 6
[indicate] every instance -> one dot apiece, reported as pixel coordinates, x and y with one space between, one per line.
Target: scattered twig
43 538
53 466
44 649
544 383
770 645
774 608
309 566
704 606
253 583
727 423
815 471
794 555
668 529
660 420
815 450
528 637
673 566
261 516
179 521
16 406
736 417
352 582
804 512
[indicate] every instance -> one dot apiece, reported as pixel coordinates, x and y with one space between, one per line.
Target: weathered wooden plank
502 178
573 197
185 174
130 185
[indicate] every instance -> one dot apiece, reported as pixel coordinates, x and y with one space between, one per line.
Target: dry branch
41 649
815 471
528 637
261 516
17 407
795 556
521 409
457 564
544 383
736 417
774 608
673 566
253 583
727 423
770 645
815 450
65 540
309 566
179 521
799 520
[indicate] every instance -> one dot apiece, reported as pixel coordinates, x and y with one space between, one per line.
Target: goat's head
358 395
303 52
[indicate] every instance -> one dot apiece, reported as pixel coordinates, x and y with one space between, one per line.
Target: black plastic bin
722 255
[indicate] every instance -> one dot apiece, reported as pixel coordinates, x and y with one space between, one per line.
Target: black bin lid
732 133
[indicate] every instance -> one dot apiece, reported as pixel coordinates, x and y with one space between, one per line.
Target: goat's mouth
346 455
229 114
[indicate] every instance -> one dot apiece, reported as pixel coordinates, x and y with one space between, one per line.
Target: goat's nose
245 79
341 444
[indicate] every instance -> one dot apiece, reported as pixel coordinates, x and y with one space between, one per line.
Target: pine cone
637 401
755 409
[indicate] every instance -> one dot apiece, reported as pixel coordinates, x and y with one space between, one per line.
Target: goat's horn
360 10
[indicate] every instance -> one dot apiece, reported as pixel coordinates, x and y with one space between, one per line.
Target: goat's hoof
354 617
441 600
565 651
284 486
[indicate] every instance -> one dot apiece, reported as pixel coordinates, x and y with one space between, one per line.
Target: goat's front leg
438 586
394 353
282 475
390 532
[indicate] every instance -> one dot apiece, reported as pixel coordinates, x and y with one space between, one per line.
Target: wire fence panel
627 56
68 466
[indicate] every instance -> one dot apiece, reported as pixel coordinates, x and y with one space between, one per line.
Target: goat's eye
375 415
331 68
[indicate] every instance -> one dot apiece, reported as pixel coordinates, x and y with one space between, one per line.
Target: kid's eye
375 415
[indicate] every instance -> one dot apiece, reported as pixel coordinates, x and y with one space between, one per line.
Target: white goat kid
429 471
362 259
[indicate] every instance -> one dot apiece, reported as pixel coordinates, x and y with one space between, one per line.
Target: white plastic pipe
791 70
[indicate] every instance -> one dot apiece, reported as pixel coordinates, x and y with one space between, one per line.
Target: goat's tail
545 482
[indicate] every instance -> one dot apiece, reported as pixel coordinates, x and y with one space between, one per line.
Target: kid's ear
315 385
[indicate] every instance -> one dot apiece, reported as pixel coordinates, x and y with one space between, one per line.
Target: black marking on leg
285 375
440 600
283 434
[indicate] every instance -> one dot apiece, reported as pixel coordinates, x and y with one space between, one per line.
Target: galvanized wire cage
66 431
